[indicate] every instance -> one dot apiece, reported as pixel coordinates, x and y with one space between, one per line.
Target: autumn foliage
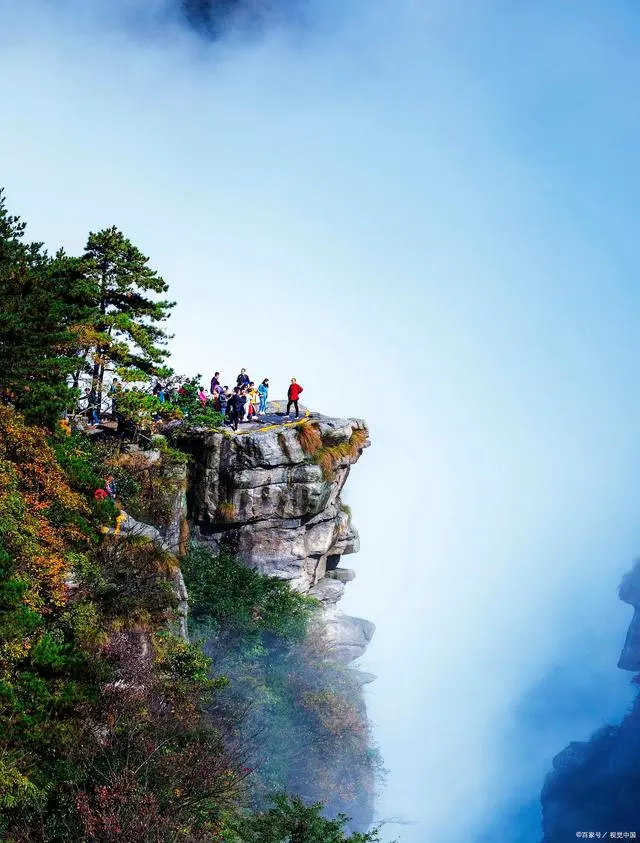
41 513
103 709
112 728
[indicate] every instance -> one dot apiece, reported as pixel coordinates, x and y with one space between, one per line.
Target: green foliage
65 316
194 413
145 412
140 408
127 319
232 599
80 460
315 739
112 727
291 821
103 711
151 489
45 678
44 300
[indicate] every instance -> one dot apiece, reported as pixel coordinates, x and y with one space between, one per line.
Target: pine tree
44 302
127 332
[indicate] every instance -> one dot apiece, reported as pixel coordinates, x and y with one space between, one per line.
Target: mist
424 211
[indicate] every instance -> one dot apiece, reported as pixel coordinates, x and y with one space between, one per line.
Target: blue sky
425 211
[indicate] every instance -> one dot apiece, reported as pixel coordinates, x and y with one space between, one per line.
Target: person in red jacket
294 393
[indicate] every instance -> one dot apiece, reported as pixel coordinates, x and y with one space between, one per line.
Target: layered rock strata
272 494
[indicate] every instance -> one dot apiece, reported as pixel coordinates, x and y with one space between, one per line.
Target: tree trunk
98 367
95 376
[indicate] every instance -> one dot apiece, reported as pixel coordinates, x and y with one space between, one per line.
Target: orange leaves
65 427
86 335
40 477
38 530
310 437
336 713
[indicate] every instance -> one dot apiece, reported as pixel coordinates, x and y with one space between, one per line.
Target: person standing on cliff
236 407
223 399
243 379
215 381
252 400
292 396
263 394
241 403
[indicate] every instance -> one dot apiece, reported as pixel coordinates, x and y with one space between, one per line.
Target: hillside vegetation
113 727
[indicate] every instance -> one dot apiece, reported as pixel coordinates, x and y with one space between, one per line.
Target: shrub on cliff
330 455
291 821
229 600
148 488
315 740
309 436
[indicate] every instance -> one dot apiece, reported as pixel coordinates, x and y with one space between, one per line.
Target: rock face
138 529
629 591
272 495
348 636
595 784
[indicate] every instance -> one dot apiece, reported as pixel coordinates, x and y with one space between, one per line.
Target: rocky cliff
272 495
595 784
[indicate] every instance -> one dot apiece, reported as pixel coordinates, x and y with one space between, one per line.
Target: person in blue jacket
263 393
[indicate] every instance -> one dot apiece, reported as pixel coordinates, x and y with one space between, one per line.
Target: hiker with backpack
292 397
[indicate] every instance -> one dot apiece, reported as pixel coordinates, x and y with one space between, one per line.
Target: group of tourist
244 400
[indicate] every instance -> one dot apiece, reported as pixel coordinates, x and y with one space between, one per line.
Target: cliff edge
272 495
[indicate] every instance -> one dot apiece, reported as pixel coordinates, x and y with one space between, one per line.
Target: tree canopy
63 316
126 320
